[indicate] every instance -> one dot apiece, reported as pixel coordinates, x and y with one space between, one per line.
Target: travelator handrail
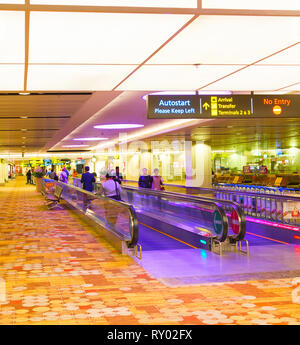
215 205
222 205
133 222
268 206
284 197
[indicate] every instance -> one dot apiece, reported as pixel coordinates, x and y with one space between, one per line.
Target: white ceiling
94 45
122 49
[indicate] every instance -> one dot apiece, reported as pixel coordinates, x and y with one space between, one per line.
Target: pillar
198 166
2 173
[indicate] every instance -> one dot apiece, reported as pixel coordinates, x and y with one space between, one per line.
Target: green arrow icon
205 105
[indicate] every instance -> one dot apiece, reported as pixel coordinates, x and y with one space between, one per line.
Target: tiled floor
55 270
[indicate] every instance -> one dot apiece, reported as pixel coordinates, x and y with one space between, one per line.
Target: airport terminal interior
149 162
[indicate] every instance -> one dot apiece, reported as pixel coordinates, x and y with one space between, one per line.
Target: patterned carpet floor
55 269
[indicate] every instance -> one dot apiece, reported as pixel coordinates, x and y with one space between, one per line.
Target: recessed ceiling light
23 117
90 139
119 126
74 145
24 93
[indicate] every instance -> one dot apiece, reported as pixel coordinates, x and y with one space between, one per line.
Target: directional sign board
225 106
222 106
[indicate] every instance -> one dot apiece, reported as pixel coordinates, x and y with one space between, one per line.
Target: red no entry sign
235 224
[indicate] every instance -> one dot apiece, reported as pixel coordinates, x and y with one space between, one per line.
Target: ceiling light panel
12 36
123 3
11 77
253 4
169 77
12 1
260 78
75 77
291 88
229 40
98 38
289 56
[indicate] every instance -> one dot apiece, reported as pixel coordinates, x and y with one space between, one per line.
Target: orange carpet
54 269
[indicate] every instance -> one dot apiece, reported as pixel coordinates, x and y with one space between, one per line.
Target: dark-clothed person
52 174
28 175
145 180
87 180
118 176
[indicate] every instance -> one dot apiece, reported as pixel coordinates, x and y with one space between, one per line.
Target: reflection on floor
55 270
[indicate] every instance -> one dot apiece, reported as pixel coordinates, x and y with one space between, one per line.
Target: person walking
87 180
28 175
111 188
118 176
63 177
145 180
52 174
157 181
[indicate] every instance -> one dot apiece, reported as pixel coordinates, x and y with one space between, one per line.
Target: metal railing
282 208
195 215
281 205
231 209
116 216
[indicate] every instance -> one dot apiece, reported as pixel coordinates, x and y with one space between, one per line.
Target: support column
198 164
2 173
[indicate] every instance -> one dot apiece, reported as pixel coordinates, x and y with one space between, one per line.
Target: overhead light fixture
188 93
24 93
119 126
90 139
23 117
75 145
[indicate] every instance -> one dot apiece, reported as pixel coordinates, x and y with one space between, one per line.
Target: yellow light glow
11 77
253 4
229 40
75 77
12 37
123 3
144 133
259 78
98 38
168 77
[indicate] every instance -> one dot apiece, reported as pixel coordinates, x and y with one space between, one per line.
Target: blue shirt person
87 180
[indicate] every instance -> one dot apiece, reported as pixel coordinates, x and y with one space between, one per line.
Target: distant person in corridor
157 181
145 180
88 180
63 177
28 175
118 176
